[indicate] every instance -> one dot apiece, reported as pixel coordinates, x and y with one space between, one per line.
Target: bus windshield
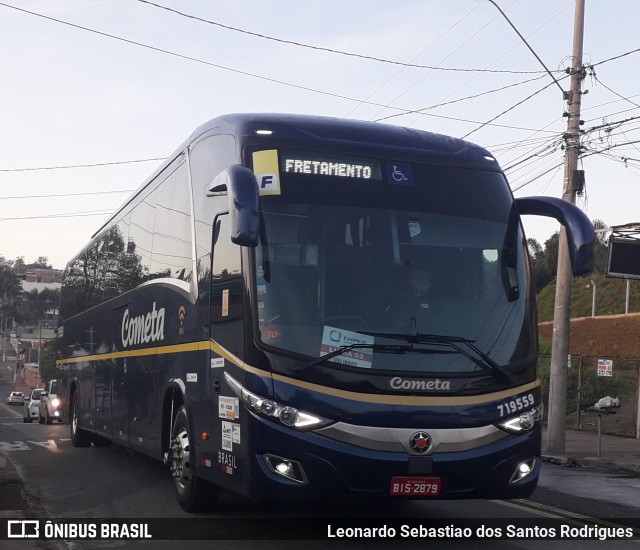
437 260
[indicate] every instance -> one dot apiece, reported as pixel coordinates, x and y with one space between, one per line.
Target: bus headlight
286 415
524 422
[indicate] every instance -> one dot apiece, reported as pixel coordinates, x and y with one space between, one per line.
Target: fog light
290 469
523 470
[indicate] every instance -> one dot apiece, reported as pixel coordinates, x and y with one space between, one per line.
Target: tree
34 305
10 286
10 289
48 361
545 259
600 248
42 262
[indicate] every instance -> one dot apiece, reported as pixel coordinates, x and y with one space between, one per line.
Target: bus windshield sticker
335 338
265 167
316 164
399 173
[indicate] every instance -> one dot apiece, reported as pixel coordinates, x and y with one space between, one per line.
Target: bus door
227 333
119 381
95 395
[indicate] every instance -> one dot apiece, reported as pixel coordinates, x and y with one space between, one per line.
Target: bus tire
193 493
79 437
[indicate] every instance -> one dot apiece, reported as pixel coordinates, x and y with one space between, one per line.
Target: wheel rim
74 418
180 463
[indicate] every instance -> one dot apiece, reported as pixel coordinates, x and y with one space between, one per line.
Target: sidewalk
581 449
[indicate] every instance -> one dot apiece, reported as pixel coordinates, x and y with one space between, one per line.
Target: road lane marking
50 445
15 446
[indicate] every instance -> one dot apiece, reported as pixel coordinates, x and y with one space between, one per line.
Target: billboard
624 258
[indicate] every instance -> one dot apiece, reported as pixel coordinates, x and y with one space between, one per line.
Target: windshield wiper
482 360
344 349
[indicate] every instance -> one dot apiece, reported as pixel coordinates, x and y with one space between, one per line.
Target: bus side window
171 256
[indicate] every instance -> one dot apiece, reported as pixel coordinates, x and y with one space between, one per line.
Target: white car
15 398
31 407
49 405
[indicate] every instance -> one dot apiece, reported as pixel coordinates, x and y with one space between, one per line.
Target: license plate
415 486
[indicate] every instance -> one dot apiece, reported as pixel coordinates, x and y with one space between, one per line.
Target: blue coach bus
247 316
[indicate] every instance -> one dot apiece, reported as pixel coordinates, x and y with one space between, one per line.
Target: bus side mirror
240 184
580 234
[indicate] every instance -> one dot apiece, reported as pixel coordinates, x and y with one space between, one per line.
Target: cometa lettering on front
143 328
398 383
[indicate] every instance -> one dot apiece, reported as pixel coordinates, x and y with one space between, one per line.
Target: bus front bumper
292 465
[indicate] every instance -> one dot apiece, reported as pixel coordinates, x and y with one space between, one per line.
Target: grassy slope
610 297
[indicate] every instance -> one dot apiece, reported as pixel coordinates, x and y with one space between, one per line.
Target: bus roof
329 130
324 132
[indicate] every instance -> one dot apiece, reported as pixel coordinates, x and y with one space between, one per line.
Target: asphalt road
110 482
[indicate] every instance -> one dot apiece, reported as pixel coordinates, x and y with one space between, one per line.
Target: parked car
15 398
31 408
49 407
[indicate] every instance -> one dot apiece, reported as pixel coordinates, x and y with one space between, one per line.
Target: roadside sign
605 367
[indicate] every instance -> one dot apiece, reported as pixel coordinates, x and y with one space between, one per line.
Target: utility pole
557 421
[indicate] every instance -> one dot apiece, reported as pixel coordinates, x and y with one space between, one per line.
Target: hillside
611 335
610 297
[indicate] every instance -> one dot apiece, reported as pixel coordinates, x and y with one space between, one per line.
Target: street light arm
579 229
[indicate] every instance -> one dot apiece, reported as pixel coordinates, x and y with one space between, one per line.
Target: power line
65 195
507 110
399 71
612 91
422 110
230 69
80 165
616 57
63 215
503 54
527 45
325 49
416 82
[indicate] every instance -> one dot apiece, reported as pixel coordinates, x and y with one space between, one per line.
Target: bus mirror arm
579 229
240 184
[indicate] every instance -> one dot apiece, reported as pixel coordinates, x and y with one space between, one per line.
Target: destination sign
338 167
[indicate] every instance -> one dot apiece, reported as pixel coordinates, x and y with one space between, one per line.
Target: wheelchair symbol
398 175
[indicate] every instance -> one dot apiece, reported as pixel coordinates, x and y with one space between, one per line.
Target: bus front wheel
193 493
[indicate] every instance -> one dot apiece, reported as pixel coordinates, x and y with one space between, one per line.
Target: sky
95 93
